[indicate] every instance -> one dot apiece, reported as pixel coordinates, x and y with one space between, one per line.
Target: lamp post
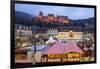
36 36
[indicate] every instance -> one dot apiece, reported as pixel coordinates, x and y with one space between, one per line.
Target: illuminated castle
52 19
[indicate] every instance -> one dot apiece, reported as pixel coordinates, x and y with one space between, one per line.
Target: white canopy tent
51 40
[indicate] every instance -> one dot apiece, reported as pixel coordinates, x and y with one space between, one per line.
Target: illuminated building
22 30
50 18
70 33
22 34
52 31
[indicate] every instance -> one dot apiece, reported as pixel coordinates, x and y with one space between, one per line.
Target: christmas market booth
60 52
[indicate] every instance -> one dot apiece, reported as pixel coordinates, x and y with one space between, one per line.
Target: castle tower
40 13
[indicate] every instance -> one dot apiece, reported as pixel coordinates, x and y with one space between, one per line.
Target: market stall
60 52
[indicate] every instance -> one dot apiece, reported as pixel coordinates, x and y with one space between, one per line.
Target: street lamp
36 36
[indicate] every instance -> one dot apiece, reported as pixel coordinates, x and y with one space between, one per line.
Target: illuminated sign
51 56
72 56
69 55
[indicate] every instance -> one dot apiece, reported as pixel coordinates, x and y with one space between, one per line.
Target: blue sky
71 12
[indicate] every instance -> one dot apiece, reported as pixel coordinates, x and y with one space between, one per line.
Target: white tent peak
51 40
